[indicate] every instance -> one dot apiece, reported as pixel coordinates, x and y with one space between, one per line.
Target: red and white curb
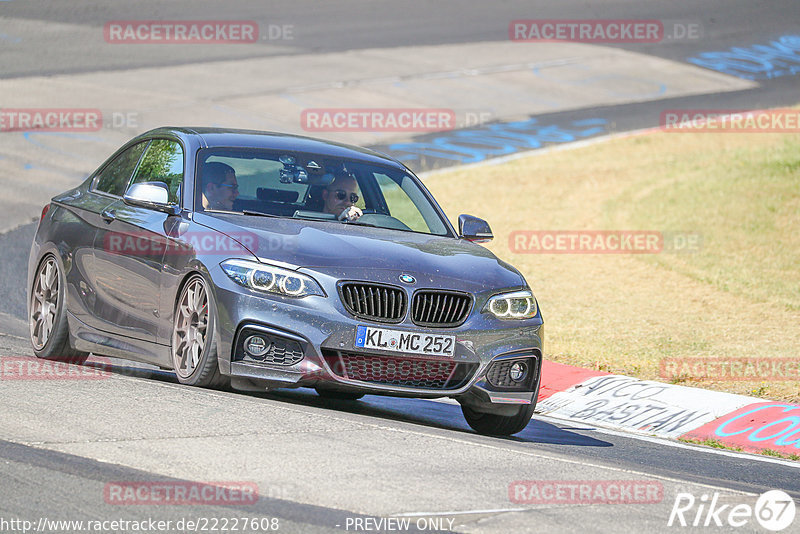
668 410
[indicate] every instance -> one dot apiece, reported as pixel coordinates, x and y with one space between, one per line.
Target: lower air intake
399 371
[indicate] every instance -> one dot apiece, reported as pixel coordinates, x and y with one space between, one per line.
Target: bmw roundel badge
407 278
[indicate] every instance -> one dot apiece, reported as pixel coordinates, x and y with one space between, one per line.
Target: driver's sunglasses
341 194
234 186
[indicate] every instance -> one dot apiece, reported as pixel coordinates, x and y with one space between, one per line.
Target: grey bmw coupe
259 261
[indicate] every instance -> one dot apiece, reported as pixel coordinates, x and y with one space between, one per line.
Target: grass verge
713 443
716 444
735 295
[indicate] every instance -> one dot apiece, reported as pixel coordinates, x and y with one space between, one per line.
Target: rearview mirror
151 195
474 229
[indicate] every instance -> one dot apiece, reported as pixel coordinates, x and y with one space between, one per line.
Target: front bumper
321 328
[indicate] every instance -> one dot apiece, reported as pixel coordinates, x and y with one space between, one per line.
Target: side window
163 162
115 177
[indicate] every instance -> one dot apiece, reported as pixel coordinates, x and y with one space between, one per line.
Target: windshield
308 186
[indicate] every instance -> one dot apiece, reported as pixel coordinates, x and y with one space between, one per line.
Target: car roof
233 138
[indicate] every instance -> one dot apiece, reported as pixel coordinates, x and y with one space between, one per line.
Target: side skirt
85 338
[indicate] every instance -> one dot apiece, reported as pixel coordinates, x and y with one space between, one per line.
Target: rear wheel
498 425
194 346
338 395
48 315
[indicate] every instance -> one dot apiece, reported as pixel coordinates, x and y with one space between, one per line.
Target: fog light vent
262 347
516 374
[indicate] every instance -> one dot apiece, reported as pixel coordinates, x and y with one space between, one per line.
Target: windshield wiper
258 213
363 224
313 215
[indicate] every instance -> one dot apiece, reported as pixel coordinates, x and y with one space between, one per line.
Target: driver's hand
350 214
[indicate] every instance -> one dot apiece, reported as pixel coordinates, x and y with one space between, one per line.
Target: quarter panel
69 228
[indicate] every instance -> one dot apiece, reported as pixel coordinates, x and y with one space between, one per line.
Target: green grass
738 294
714 443
746 205
776 454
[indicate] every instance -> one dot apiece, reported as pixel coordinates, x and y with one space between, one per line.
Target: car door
130 247
107 187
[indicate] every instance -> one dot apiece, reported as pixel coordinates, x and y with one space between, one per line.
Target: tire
47 316
338 395
194 344
498 425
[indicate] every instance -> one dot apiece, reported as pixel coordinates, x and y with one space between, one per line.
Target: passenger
340 196
220 187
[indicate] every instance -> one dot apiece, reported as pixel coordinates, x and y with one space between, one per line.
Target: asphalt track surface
60 445
353 25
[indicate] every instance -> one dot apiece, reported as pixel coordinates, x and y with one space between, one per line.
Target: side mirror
474 229
151 195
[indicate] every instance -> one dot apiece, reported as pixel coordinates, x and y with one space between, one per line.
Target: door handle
109 215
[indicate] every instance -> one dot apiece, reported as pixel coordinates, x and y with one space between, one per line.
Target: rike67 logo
774 510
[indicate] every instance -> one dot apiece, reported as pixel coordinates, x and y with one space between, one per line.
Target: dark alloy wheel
49 330
194 348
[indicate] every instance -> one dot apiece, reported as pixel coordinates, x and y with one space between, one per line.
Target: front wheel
48 315
498 425
194 346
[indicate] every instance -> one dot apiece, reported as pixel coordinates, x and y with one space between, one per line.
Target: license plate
368 337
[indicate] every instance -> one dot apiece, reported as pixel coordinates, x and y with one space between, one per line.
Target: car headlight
516 305
271 279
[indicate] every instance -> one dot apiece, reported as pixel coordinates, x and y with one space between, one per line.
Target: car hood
341 250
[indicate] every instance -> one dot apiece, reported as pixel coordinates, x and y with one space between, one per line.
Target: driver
220 187
340 196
